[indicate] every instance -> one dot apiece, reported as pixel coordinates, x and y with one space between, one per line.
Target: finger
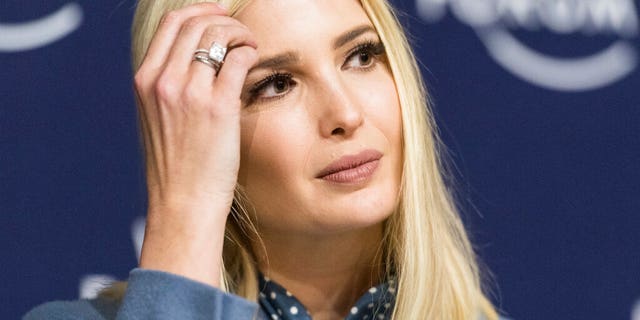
226 36
169 28
199 33
232 75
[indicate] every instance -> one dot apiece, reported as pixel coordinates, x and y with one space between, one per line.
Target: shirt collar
375 304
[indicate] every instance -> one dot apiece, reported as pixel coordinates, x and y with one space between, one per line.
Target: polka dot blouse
376 304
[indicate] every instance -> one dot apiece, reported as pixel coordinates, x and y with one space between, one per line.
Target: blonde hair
425 245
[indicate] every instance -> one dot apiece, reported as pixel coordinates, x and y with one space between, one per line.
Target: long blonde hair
425 245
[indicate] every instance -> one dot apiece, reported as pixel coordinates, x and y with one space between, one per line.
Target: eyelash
375 49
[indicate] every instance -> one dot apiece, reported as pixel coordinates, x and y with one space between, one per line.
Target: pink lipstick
352 168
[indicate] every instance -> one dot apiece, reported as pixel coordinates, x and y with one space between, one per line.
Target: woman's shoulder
99 309
154 294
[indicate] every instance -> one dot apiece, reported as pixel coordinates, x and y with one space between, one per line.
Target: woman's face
328 103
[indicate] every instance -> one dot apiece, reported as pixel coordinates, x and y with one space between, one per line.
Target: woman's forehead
279 23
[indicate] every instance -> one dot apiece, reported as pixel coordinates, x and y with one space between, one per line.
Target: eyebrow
352 34
292 57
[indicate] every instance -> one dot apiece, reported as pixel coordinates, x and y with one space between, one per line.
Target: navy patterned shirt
376 304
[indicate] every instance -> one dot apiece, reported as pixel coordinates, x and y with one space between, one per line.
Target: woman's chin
356 212
351 217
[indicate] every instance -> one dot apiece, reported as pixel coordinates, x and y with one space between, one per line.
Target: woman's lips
352 168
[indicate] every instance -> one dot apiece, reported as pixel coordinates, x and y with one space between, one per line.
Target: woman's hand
191 129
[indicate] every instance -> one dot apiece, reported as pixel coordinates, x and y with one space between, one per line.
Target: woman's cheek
383 107
274 145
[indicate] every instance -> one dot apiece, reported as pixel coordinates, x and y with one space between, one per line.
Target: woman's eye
280 86
360 60
365 58
364 55
274 86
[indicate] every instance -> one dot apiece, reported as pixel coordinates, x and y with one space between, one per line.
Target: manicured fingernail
221 6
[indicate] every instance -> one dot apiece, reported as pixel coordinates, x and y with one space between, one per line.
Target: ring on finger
200 57
205 51
217 52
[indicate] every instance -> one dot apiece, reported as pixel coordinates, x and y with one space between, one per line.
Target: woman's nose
340 113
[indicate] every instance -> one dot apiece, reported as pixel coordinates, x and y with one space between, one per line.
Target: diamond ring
217 52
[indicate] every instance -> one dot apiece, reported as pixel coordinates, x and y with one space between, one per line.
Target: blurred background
538 102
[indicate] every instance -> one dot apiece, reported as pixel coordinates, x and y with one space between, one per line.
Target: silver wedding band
214 57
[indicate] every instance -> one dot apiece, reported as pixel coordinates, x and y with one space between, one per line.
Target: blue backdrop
537 100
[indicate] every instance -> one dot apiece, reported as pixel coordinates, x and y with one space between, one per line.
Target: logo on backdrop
42 31
491 20
635 312
91 284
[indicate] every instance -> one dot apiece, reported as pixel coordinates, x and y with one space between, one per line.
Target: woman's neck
326 273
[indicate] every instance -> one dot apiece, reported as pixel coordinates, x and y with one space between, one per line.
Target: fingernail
223 7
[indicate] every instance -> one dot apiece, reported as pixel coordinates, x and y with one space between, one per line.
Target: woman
305 120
